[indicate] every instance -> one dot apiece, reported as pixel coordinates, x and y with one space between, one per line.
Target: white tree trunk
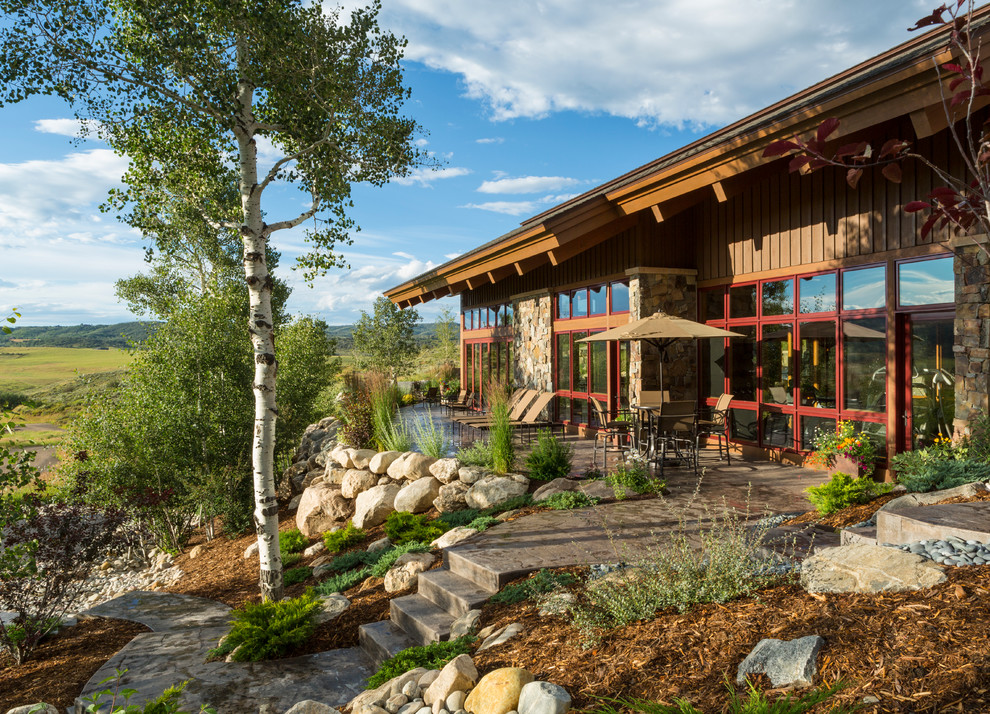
255 236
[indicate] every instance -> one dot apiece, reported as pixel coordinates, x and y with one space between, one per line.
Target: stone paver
164 611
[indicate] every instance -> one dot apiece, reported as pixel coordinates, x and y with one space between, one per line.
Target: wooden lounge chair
531 421
517 407
451 404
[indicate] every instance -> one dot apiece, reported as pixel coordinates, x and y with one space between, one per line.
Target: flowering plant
858 447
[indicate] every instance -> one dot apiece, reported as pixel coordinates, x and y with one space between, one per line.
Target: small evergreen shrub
479 453
432 656
292 541
296 575
542 582
343 581
934 475
633 475
342 539
268 630
351 560
566 500
402 527
454 519
755 703
514 503
483 523
550 458
388 557
291 559
843 490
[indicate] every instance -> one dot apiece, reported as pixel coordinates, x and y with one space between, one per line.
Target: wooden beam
668 209
502 273
657 213
440 292
720 193
524 266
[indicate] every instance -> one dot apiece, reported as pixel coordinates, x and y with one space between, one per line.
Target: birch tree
227 74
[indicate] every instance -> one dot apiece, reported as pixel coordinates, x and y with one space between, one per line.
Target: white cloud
425 176
510 208
527 184
490 140
421 142
62 127
673 62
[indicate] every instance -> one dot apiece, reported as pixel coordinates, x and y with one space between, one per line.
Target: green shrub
454 519
291 541
165 703
351 560
512 504
354 410
566 500
291 559
388 557
269 629
541 582
633 474
403 527
432 656
844 490
343 581
755 703
483 523
339 540
296 575
479 453
934 475
550 458
408 399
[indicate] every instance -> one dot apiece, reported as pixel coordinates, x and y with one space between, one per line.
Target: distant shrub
296 575
566 500
479 453
432 656
842 491
290 559
354 410
292 541
344 538
269 629
454 519
402 527
550 458
343 581
938 475
540 583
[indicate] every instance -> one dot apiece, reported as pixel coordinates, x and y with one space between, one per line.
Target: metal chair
608 432
716 426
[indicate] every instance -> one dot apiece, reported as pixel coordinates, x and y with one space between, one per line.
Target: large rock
332 606
503 634
320 508
334 474
597 489
356 482
458 675
417 496
543 698
452 497
372 507
407 568
787 664
413 466
39 708
381 461
472 474
967 490
493 490
453 537
864 568
396 468
381 694
308 706
498 691
466 624
445 470
360 458
558 485
342 455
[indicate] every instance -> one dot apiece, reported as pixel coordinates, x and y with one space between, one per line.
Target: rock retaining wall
972 334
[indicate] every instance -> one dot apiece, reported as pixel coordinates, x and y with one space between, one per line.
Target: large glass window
580 363
564 361
817 293
599 368
579 303
620 297
743 425
933 368
818 364
598 302
810 428
713 304
742 301
864 288
777 362
563 306
926 282
742 374
712 368
864 356
778 429
778 297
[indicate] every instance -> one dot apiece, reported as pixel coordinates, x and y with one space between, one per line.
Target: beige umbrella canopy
660 330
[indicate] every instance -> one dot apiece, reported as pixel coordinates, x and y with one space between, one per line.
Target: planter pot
843 464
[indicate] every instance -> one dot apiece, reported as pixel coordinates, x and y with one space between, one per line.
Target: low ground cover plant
843 490
344 538
165 703
479 453
355 566
550 457
755 702
483 523
540 583
402 527
268 630
566 500
342 581
296 575
291 541
633 475
945 464
432 656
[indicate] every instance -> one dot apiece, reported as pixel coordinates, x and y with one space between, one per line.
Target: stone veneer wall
972 333
675 292
533 342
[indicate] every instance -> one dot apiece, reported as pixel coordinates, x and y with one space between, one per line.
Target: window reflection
811 426
742 376
580 363
778 297
778 364
599 367
926 282
864 288
563 305
742 301
817 293
579 303
743 425
598 302
818 355
620 297
864 351
564 361
778 430
713 305
712 367
933 368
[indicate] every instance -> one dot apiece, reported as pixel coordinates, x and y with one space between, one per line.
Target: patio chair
675 433
451 404
717 425
531 420
608 432
517 407
432 396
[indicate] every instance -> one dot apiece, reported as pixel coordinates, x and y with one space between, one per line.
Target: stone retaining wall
972 334
533 342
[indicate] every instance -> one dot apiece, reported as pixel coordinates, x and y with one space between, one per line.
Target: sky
524 103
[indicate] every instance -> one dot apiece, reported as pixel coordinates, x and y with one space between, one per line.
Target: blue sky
526 102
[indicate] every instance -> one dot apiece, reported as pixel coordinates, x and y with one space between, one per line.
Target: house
846 311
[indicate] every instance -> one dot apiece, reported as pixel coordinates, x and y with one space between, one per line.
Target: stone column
972 332
675 292
532 343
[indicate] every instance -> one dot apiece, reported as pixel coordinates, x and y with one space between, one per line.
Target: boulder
428 677
331 607
558 485
543 698
333 474
39 708
465 624
395 469
380 544
379 695
415 466
294 476
341 455
498 691
294 503
395 703
312 477
381 461
360 458
453 537
445 470
597 489
310 707
372 507
452 497
417 496
501 635
472 474
320 508
455 702
251 551
196 551
315 549
357 482
493 490
967 490
864 568
406 570
791 663
458 675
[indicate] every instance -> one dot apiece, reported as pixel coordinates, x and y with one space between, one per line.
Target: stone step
481 575
968 521
862 534
381 640
451 592
423 621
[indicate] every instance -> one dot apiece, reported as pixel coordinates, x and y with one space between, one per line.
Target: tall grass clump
550 458
500 428
430 437
390 433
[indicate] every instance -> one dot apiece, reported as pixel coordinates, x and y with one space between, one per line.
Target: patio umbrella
661 330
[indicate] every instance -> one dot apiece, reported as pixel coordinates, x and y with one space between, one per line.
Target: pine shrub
566 500
550 458
432 656
292 541
343 581
540 583
268 630
296 575
842 491
402 527
342 539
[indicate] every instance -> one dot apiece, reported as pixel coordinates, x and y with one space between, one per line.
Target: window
778 297
742 301
604 299
864 288
598 304
926 282
620 297
487 317
817 293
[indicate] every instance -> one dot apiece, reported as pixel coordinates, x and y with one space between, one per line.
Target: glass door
929 389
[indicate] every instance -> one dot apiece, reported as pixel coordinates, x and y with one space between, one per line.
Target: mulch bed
61 666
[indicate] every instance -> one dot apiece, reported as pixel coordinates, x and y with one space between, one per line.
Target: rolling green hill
97 337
